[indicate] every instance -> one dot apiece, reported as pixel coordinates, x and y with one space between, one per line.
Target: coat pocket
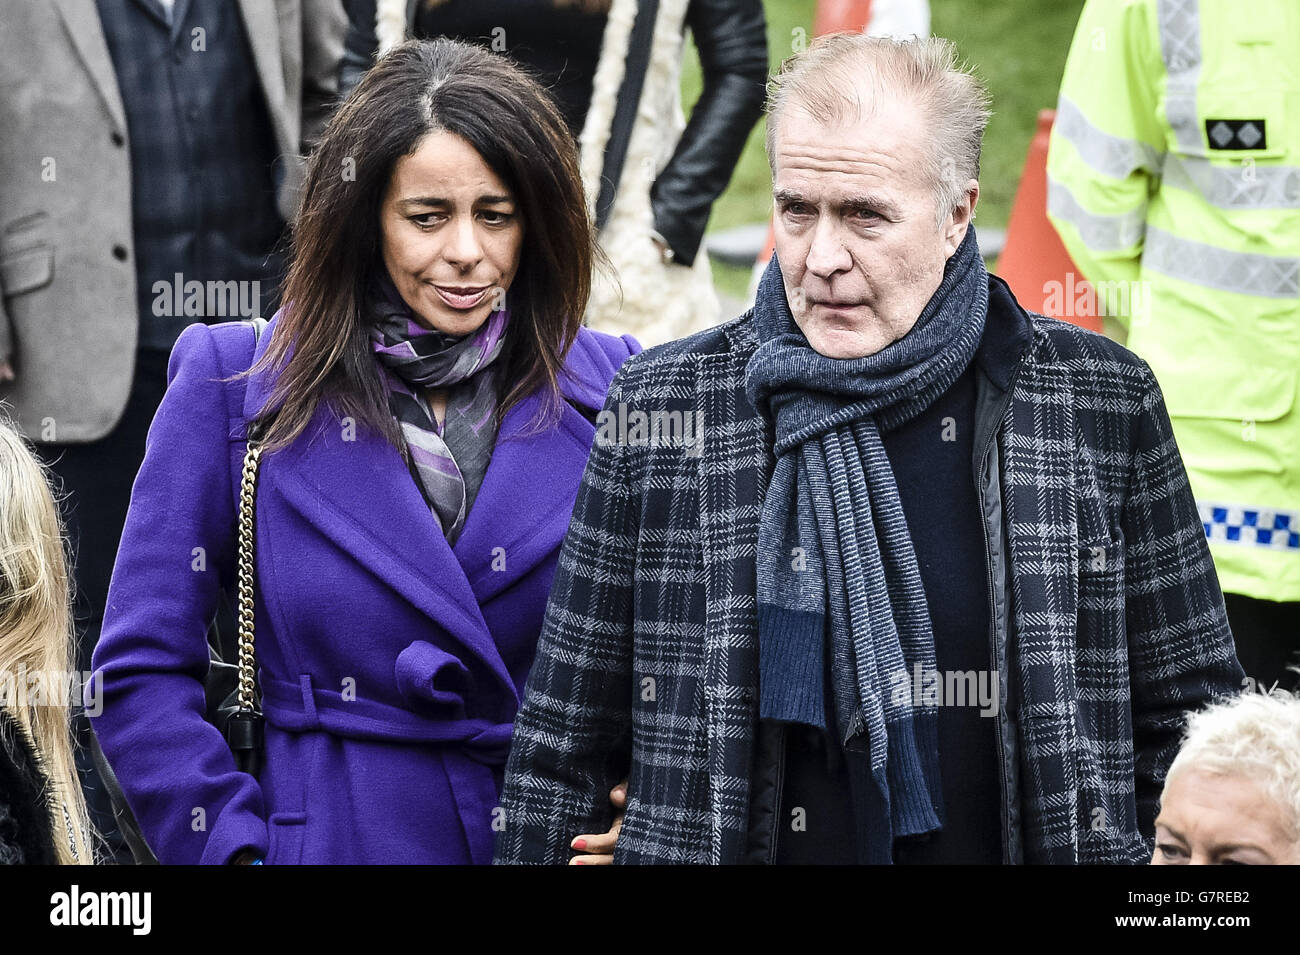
27 270
285 832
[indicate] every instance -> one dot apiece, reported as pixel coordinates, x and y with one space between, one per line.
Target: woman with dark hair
425 402
615 68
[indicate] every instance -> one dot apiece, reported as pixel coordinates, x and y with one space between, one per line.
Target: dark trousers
1267 634
93 483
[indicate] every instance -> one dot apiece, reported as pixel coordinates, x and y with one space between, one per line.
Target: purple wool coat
391 663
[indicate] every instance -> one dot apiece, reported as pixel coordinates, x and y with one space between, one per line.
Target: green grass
1018 47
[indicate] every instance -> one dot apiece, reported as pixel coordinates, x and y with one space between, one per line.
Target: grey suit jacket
68 315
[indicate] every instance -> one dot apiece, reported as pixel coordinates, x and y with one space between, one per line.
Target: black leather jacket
731 36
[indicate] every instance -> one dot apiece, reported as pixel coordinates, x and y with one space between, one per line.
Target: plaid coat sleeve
572 736
1180 648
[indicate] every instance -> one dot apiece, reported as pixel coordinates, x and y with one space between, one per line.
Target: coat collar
81 22
353 486
1008 333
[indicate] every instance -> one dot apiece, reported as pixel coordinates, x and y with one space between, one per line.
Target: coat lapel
1043 537
81 21
526 501
262 27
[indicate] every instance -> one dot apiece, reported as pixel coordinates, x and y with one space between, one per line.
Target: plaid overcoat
647 663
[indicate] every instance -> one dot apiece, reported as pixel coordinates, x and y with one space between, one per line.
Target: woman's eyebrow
1171 830
1235 846
438 201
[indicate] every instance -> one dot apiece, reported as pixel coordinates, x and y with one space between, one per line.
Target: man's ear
961 218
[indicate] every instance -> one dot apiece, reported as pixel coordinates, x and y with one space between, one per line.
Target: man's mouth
462 297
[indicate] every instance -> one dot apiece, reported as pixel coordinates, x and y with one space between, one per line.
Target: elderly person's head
874 146
1232 795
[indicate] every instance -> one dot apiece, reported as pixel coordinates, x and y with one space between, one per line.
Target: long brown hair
321 349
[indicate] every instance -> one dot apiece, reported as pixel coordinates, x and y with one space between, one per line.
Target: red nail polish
579 843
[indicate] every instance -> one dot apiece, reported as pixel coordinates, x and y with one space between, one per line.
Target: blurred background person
1232 796
1174 180
151 148
614 66
43 819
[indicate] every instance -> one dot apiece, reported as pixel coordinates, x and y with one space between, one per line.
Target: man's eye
868 215
1171 852
796 209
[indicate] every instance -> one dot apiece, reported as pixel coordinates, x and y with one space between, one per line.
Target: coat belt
301 707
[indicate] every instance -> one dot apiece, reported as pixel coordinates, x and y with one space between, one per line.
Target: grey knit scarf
835 559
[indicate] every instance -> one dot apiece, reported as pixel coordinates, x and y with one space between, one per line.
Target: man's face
856 234
1212 819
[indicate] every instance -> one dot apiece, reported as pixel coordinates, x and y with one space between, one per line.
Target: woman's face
1212 819
452 234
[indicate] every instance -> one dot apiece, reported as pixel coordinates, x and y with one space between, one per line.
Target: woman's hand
600 849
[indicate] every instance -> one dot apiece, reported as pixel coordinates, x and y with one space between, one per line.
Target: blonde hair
1254 736
36 636
826 81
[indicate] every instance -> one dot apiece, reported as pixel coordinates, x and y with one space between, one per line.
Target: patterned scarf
833 535
448 461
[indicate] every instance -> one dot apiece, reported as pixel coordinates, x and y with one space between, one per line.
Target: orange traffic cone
833 16
1034 262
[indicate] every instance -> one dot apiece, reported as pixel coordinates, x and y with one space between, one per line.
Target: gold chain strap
247 495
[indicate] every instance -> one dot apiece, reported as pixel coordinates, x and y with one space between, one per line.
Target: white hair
1253 736
826 80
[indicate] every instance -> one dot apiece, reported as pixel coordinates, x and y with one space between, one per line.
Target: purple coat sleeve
175 768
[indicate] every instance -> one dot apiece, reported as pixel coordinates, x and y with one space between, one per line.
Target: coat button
118 139
120 253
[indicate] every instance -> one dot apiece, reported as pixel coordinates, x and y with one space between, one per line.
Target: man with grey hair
933 590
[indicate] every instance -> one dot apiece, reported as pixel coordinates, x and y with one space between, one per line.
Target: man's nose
827 254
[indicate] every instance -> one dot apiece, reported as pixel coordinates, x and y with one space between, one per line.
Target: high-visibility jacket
1174 181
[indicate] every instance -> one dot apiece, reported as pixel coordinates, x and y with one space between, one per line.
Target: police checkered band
1232 523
